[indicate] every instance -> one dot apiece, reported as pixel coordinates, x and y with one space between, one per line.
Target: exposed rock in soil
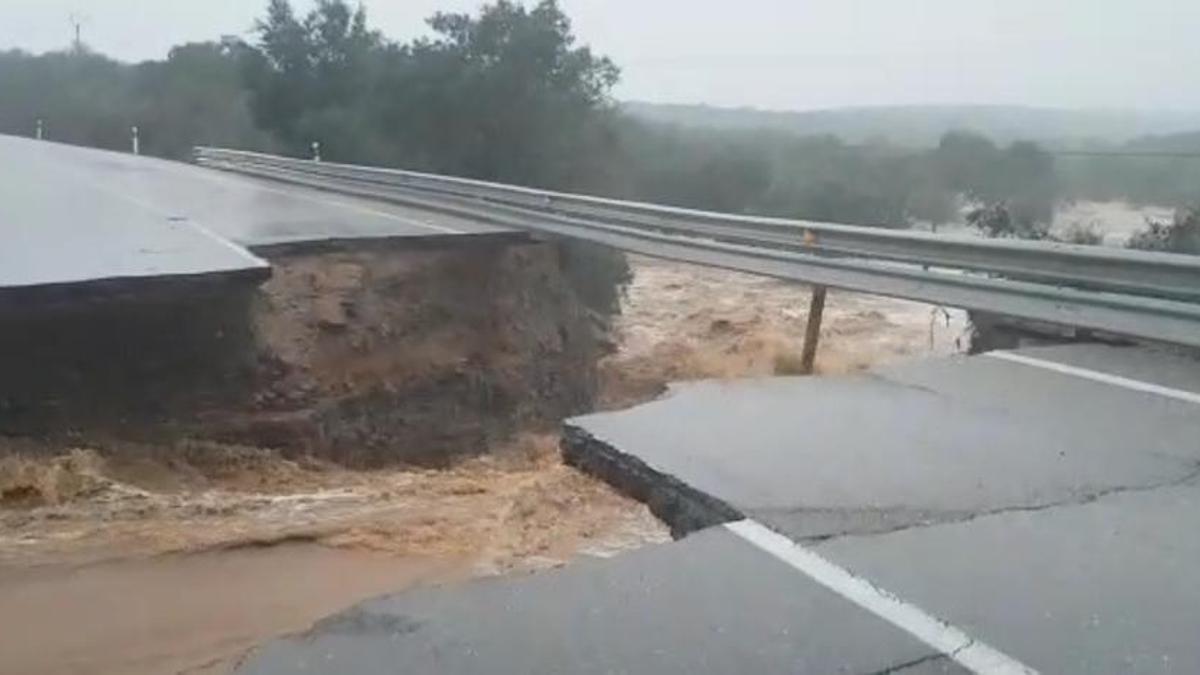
378 356
369 354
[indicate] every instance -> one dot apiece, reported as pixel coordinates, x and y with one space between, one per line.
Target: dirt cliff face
383 355
368 354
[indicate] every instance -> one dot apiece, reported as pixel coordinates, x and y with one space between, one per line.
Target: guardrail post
316 151
137 146
40 129
812 332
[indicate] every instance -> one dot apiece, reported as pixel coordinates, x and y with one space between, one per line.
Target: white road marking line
294 192
298 194
172 218
1097 376
367 209
199 227
968 652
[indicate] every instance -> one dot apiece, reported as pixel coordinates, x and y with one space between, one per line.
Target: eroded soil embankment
401 360
370 354
296 474
373 357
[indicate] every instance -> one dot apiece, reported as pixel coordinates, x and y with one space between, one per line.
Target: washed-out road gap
993 515
996 505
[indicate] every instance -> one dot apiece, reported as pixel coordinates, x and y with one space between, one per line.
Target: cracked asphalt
931 441
708 604
1046 516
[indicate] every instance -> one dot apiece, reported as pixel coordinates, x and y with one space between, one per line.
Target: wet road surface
991 514
70 214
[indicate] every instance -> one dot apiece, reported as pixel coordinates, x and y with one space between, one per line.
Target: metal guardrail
1135 293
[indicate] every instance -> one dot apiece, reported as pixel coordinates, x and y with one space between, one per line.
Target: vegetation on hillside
507 94
918 126
1161 170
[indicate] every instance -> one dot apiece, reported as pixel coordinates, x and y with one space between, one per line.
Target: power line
1131 154
1126 153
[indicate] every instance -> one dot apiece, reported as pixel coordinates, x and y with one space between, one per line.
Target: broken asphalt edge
683 508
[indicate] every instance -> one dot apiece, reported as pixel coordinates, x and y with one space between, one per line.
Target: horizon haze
765 54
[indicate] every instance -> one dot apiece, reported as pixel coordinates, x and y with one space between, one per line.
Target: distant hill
1182 142
922 126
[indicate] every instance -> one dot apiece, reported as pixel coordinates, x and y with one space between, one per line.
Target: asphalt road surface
58 230
1011 513
664 609
70 214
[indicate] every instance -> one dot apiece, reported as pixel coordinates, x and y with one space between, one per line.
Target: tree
282 78
967 163
1181 235
932 203
997 220
195 97
1019 180
507 95
1026 179
83 97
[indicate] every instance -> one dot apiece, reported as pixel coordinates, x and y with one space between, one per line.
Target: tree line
507 94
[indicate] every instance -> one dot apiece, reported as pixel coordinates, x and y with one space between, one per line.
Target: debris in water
684 322
514 508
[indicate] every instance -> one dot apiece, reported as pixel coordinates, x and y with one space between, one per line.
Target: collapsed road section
1012 513
240 406
1041 500
211 416
368 355
135 297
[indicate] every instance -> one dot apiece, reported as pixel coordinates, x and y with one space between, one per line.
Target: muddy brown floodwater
133 559
187 613
127 558
684 322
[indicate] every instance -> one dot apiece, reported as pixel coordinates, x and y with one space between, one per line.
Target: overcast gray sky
784 54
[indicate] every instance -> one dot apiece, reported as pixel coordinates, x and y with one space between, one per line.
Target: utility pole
77 21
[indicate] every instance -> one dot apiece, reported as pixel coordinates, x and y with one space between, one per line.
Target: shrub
1181 235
